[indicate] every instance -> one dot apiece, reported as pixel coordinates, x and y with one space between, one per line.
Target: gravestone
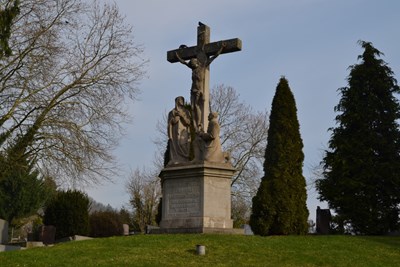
3 232
47 234
196 182
10 248
323 221
125 229
34 244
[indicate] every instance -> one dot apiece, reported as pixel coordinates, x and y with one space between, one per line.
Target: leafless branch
73 65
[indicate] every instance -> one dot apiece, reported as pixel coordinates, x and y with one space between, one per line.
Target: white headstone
125 228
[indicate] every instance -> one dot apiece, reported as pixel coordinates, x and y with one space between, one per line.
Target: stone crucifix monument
196 182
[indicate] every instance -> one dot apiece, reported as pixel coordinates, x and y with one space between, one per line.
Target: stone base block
199 230
34 244
10 248
196 222
196 196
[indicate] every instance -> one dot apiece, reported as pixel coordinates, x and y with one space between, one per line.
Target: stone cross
200 58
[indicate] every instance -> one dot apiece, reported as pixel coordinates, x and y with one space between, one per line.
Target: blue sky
311 42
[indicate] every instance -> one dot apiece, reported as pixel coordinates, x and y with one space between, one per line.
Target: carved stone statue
206 146
198 66
212 143
179 132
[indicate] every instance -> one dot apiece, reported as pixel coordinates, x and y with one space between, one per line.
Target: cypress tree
361 169
279 207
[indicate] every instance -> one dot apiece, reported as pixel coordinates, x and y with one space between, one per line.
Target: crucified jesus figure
198 66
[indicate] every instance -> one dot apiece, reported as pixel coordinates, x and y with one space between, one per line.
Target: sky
310 42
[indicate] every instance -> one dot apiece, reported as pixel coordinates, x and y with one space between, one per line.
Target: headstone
323 221
196 182
47 234
34 244
81 238
150 229
3 232
247 229
10 248
31 236
125 228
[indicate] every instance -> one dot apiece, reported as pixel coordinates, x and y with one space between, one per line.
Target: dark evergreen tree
69 212
361 169
279 207
22 192
105 223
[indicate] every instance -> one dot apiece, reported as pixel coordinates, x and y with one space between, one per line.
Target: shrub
68 211
105 223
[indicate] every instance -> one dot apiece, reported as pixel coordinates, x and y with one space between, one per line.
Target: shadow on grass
391 241
191 251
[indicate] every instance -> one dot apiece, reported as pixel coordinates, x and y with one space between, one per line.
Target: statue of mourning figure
207 145
179 132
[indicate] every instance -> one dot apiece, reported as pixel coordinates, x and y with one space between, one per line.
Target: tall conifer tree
22 192
361 178
279 207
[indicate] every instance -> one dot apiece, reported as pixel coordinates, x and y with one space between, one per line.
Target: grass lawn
221 250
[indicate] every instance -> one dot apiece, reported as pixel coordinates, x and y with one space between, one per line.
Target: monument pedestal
197 199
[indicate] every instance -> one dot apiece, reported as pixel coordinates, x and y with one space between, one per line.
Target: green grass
221 250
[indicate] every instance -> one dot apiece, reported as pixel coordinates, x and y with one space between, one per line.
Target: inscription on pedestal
183 199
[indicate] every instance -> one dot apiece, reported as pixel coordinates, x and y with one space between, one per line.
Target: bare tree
63 88
244 135
8 11
145 191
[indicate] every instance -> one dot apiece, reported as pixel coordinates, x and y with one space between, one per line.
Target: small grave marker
3 232
323 221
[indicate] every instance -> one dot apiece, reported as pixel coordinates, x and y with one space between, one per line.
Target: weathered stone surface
9 248
179 132
198 58
3 231
232 45
211 150
197 193
198 230
34 244
197 197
